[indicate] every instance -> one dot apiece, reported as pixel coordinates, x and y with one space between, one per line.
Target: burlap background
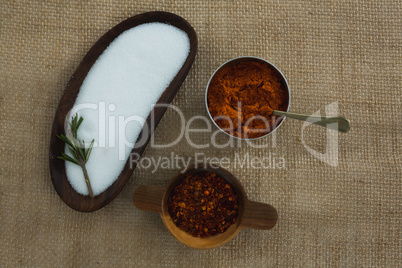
330 51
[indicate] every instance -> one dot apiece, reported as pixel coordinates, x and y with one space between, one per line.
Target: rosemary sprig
80 154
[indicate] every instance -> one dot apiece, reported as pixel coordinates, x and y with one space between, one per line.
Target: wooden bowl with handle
251 214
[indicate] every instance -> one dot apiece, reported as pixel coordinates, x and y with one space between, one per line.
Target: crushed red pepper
203 204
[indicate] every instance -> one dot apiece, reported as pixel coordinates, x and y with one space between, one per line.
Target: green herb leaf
89 150
82 152
60 157
73 152
73 141
79 122
68 158
65 139
75 118
79 154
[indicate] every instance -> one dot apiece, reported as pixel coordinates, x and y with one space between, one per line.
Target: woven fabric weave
333 53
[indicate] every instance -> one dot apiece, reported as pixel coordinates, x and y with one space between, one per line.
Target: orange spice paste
241 98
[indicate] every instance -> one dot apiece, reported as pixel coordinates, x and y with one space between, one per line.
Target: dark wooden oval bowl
57 167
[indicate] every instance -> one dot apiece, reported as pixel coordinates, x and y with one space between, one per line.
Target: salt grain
124 84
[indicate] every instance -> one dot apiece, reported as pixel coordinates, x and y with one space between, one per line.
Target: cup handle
259 216
149 198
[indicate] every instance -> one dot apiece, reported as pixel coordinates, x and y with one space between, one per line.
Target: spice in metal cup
242 94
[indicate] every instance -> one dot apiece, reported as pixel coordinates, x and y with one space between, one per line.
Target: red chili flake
203 204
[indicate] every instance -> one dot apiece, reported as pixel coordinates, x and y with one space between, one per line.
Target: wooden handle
149 198
259 216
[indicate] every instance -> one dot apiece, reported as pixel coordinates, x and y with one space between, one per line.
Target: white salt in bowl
238 60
